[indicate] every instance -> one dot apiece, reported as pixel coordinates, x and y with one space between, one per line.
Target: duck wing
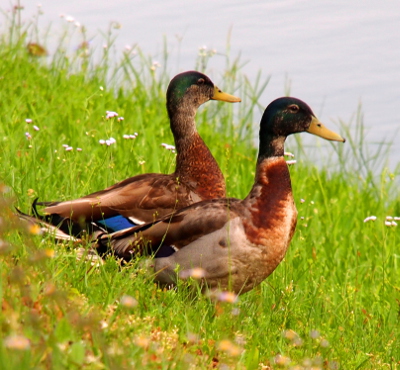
174 231
134 201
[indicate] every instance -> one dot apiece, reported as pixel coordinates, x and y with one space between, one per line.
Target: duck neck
272 189
194 162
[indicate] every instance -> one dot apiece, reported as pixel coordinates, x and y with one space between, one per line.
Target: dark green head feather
182 82
286 116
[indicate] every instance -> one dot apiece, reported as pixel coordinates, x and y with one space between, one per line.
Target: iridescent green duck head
286 116
188 90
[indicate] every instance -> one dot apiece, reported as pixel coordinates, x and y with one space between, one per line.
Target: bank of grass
334 302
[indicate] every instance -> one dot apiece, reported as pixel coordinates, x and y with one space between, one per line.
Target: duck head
194 88
286 116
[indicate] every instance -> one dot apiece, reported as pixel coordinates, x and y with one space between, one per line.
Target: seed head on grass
17 342
128 301
195 273
230 348
314 334
228 297
281 360
35 229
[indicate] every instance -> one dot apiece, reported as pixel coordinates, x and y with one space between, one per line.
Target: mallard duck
143 198
231 244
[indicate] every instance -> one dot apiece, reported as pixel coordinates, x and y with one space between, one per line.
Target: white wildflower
370 218
168 147
111 114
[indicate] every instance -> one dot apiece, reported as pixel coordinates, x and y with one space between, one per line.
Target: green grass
334 302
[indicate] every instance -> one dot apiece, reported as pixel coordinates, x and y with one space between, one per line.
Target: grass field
334 302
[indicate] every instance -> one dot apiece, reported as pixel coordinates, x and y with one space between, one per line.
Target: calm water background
335 54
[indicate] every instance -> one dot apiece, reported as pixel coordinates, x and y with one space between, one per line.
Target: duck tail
44 227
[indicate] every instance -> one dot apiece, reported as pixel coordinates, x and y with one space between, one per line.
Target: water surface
336 54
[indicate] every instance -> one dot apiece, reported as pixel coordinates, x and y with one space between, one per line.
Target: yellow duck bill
220 95
317 128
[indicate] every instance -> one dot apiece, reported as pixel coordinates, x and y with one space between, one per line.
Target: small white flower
121 118
292 161
370 218
288 154
388 223
78 149
126 136
101 88
102 142
69 19
28 120
302 200
394 223
36 128
132 136
112 140
105 46
168 147
65 145
128 47
28 135
69 148
77 24
396 218
111 114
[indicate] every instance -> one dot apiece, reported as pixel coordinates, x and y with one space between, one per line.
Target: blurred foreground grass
334 302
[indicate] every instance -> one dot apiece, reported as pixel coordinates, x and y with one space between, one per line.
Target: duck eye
294 108
200 81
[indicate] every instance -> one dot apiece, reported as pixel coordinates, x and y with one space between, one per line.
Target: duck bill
219 95
317 128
